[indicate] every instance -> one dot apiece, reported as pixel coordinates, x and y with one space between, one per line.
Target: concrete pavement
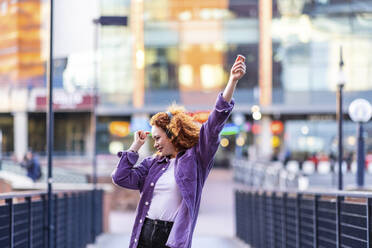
215 227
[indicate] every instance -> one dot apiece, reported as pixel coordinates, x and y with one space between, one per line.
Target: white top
166 198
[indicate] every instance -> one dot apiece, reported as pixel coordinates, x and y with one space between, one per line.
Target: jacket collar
166 159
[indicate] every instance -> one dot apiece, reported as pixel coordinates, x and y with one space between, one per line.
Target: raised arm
236 73
125 174
209 132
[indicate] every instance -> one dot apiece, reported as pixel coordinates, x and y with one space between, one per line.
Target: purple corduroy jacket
191 170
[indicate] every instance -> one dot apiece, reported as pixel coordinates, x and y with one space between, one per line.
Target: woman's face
162 144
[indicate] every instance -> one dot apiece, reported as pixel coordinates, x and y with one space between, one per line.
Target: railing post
45 220
237 229
298 220
94 221
273 197
65 207
263 218
56 212
284 224
369 216
250 216
81 217
338 220
315 221
9 202
29 205
254 224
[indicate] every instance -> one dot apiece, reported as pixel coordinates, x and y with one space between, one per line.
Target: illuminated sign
119 128
275 141
200 116
277 127
63 100
230 129
256 128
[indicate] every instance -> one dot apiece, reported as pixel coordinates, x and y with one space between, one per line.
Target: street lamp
50 132
360 111
339 114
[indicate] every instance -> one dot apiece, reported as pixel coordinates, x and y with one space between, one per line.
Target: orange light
200 116
277 127
119 128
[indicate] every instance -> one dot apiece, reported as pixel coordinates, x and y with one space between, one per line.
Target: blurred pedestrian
171 181
314 158
32 165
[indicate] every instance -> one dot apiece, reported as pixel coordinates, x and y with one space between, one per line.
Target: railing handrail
24 194
356 194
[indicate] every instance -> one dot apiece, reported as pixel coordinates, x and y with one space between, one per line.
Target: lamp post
50 132
340 86
360 111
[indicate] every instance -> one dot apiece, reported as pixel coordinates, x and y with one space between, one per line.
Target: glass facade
307 36
189 46
71 135
7 130
115 83
308 137
188 49
109 141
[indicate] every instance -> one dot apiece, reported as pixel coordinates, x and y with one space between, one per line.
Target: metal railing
303 219
23 218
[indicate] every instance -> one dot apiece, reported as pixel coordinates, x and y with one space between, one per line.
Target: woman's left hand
238 70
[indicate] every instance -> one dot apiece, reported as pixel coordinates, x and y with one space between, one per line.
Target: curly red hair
184 131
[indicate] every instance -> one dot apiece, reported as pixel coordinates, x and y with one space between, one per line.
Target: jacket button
135 240
140 220
152 184
146 203
163 169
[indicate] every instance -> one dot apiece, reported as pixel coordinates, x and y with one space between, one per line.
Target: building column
20 134
265 52
138 61
265 147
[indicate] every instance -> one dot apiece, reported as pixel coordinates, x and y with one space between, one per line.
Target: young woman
171 181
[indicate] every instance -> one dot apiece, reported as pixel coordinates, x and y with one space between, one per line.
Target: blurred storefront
181 51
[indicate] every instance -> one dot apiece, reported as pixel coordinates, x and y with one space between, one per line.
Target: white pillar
20 134
265 147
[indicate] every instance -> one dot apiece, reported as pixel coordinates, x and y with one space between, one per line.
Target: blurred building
181 51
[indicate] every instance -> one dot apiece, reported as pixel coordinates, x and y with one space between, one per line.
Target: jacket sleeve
210 130
129 176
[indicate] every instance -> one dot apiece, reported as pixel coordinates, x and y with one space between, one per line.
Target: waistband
162 223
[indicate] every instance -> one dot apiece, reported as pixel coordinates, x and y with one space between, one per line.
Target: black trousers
154 234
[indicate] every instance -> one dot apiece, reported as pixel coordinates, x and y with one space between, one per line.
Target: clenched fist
139 139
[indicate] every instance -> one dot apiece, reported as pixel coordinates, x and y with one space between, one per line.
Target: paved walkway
215 227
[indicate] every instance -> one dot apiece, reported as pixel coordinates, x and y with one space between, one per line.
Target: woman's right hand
139 139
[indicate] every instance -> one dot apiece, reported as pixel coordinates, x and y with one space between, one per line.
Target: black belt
162 223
